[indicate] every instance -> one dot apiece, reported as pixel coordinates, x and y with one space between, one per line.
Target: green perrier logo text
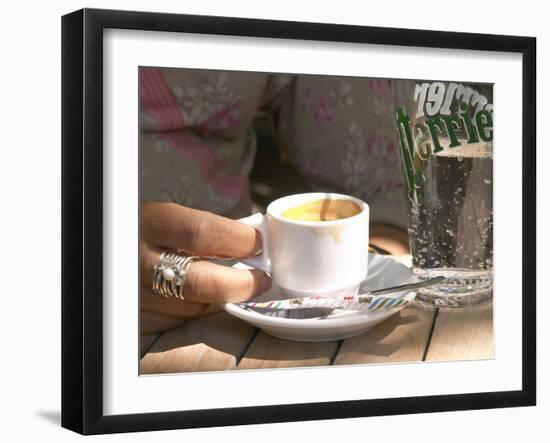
450 111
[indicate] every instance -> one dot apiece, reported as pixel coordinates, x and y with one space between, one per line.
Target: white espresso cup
308 258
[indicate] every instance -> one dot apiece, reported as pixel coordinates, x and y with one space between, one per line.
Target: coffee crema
323 210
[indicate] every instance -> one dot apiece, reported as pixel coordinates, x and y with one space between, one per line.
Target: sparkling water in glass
445 139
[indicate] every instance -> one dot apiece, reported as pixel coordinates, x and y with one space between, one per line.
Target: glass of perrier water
445 134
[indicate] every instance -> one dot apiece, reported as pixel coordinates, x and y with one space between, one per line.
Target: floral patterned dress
197 143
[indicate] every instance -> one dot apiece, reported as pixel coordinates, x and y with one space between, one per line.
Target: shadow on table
270 352
374 342
212 343
222 342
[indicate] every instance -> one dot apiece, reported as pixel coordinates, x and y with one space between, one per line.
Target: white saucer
383 272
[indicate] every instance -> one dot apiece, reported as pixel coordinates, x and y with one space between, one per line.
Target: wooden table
218 341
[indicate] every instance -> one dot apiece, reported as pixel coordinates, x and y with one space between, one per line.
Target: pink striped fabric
210 166
157 100
159 103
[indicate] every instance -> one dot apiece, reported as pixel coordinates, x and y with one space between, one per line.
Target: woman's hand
168 226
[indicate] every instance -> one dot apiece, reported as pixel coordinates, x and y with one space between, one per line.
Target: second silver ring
169 274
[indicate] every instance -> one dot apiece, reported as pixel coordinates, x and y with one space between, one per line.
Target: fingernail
257 243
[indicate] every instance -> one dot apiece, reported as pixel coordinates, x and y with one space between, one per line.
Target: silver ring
170 273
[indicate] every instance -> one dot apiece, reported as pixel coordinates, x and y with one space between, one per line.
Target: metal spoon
421 284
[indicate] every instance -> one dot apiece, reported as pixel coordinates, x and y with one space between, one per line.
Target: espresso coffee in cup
313 244
325 209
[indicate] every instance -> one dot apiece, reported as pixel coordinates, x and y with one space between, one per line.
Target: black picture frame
82 218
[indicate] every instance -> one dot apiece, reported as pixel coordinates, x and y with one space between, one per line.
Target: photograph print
292 220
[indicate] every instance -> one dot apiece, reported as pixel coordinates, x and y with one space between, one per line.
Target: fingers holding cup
172 226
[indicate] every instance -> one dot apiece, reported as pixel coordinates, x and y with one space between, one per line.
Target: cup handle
261 260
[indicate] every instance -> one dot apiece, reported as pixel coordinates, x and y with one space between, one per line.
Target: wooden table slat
462 335
212 343
270 352
403 337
